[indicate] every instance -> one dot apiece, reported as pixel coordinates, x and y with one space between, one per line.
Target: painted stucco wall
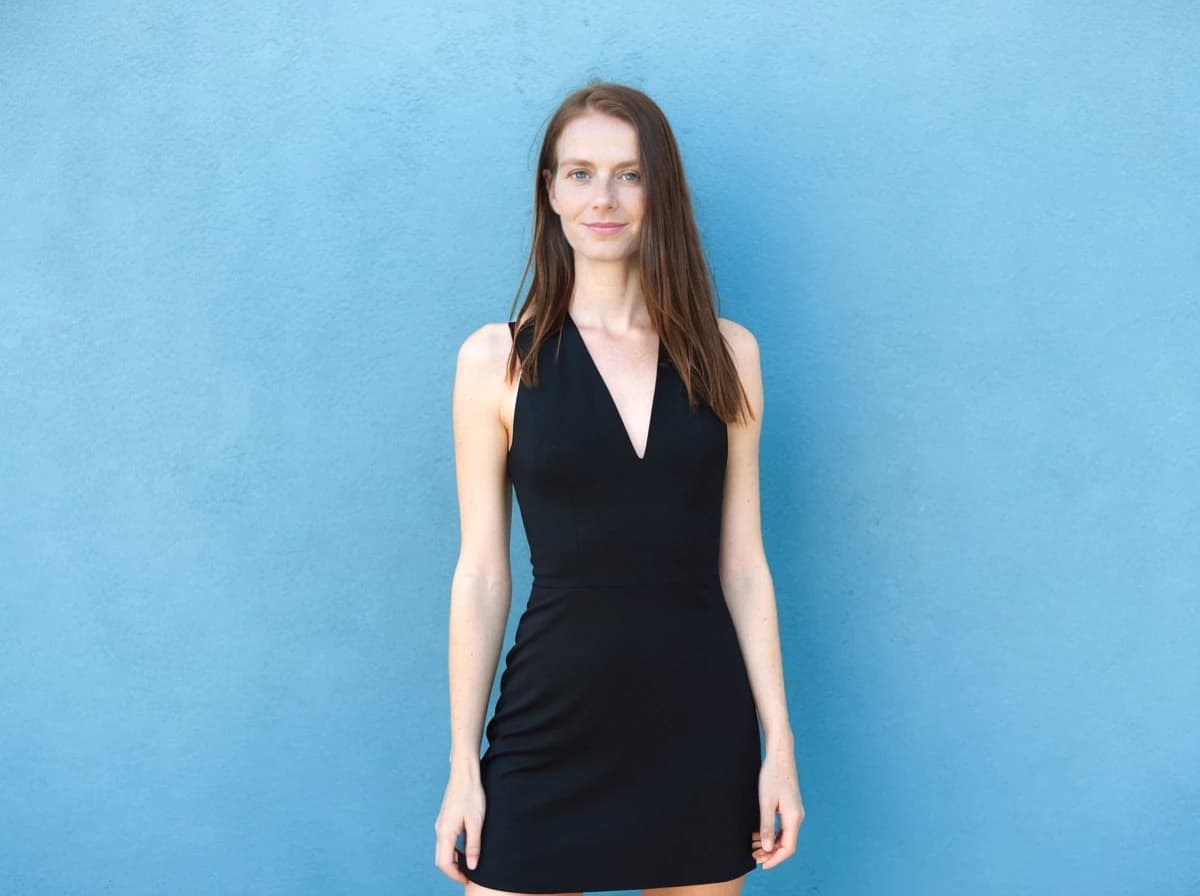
240 244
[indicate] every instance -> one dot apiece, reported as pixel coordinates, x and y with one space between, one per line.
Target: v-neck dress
624 749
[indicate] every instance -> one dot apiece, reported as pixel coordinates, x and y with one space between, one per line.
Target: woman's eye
629 176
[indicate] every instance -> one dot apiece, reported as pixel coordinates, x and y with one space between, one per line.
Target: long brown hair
681 296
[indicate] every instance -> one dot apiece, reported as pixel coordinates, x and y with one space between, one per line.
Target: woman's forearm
479 605
750 595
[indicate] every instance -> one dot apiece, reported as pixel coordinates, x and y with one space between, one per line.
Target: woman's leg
474 889
723 888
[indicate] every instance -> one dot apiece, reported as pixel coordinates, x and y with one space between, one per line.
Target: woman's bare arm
481 588
745 576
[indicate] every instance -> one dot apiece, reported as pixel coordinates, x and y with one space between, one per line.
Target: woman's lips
604 228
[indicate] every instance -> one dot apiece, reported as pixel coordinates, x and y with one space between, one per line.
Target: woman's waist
626 574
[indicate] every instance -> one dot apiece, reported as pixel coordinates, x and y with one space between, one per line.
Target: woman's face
598 181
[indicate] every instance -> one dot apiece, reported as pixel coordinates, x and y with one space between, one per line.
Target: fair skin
598 180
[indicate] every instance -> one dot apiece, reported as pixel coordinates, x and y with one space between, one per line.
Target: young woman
624 751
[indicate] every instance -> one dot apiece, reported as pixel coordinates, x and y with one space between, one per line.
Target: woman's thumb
767 829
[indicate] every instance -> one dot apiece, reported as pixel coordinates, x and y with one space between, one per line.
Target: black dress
624 750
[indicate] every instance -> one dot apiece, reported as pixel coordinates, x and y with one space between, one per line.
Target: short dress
624 750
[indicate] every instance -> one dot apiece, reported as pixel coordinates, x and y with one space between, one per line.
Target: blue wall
241 244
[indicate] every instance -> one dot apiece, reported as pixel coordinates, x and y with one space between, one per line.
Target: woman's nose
605 193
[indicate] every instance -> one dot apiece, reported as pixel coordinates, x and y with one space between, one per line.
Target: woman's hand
778 791
462 809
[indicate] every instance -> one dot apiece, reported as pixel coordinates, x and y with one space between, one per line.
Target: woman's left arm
750 595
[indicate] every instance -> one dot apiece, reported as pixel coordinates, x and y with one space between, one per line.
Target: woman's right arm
481 588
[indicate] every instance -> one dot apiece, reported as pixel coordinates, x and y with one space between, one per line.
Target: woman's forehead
598 139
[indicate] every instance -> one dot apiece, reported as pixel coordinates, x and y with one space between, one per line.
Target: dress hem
604 886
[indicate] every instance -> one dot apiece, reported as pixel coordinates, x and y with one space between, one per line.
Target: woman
624 751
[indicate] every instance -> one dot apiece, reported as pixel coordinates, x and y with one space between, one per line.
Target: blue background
241 244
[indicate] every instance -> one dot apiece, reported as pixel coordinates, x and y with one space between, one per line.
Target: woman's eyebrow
589 164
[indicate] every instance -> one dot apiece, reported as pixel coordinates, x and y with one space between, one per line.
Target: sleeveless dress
624 750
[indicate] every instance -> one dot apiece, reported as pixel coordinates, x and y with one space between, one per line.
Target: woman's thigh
474 889
723 888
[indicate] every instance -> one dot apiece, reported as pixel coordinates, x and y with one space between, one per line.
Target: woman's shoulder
485 343
483 354
487 346
741 340
743 347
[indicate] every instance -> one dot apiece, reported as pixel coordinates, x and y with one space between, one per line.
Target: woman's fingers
766 824
785 845
445 856
785 841
756 847
474 825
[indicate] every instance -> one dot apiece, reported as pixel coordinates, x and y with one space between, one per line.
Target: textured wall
240 245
